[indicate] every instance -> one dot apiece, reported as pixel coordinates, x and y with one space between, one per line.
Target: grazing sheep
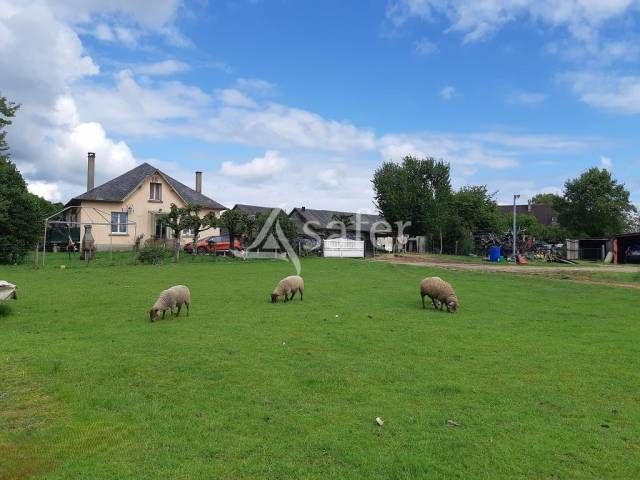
440 292
170 298
286 286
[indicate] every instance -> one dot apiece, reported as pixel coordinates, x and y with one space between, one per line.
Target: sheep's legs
163 312
300 294
293 294
423 305
179 308
435 305
187 309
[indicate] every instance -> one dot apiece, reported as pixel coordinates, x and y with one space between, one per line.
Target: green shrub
153 254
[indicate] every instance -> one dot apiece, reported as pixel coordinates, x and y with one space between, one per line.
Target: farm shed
371 229
252 211
624 246
593 248
343 248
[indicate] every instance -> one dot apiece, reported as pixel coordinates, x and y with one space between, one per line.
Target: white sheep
286 286
439 291
169 299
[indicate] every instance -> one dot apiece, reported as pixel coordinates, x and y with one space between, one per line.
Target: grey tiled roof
254 209
325 217
116 190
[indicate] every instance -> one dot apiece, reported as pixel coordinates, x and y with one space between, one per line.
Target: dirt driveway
576 273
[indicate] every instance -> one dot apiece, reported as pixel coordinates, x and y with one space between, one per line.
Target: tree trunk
176 248
194 250
440 241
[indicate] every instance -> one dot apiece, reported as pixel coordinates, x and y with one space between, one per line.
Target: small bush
153 254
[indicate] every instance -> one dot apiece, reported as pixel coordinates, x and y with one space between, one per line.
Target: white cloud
255 85
460 151
155 108
165 67
48 190
491 150
426 47
527 189
235 98
526 98
329 178
65 113
49 138
103 32
258 168
150 14
606 163
616 93
448 92
477 19
537 143
340 183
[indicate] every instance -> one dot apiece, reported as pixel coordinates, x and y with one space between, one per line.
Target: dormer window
155 191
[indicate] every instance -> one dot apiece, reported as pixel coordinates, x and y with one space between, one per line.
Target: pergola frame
102 213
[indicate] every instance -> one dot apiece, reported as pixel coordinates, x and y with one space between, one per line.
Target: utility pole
515 197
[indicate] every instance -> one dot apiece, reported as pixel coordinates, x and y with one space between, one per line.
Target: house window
119 222
187 232
155 191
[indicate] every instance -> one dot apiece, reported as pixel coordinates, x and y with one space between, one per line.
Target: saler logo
272 243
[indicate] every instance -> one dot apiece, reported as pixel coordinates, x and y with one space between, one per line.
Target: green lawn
542 375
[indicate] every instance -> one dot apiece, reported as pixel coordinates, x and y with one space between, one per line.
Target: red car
214 244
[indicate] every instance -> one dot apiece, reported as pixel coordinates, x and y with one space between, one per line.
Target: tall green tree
473 209
476 209
343 218
177 220
255 228
235 221
416 191
594 205
196 223
633 222
21 212
7 112
545 199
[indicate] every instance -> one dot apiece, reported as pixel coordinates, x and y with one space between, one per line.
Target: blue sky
295 103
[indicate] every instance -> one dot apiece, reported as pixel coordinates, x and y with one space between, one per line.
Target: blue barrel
494 253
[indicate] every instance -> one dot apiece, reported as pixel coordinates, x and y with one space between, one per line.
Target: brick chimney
199 182
91 170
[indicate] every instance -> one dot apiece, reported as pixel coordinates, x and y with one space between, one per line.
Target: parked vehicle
218 244
632 254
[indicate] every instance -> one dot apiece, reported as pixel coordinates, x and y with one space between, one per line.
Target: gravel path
567 272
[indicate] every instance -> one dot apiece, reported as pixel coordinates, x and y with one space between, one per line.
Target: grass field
541 375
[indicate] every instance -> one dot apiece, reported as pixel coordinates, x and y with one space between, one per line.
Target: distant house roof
254 210
119 188
323 220
543 212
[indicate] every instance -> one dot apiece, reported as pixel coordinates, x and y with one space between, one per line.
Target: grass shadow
5 310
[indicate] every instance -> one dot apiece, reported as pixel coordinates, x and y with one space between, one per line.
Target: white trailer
343 248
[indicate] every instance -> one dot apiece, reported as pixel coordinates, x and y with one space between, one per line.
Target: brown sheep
169 299
288 285
439 291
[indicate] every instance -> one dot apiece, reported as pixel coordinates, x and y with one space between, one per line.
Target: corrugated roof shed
254 210
323 220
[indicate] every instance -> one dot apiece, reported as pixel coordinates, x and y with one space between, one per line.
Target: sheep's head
274 298
153 314
452 304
